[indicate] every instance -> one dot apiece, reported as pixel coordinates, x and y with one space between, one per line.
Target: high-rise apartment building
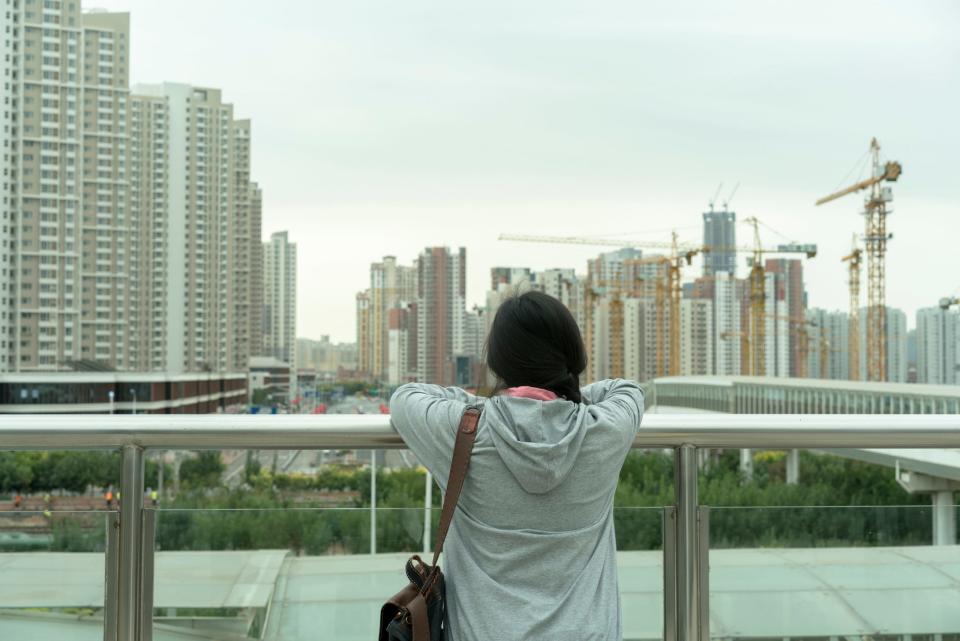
280 298
777 328
441 292
401 344
363 332
10 49
727 326
696 337
897 361
562 284
938 346
640 356
511 276
614 267
601 348
251 291
720 235
504 283
558 283
326 357
130 228
392 286
789 288
197 229
66 216
829 336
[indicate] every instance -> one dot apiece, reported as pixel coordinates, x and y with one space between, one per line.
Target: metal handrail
226 431
129 599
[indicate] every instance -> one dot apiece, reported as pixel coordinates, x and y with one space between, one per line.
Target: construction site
648 315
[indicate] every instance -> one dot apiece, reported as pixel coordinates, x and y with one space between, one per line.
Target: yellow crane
670 285
755 343
803 329
616 291
824 352
853 260
875 240
680 254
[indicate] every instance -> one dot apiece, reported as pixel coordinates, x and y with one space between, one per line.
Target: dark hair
535 341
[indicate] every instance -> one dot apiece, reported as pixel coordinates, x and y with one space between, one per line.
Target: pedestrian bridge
921 471
822 593
685 590
771 395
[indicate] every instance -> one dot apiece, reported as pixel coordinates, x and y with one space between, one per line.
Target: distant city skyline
382 129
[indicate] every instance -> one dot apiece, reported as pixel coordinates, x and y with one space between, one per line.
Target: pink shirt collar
536 393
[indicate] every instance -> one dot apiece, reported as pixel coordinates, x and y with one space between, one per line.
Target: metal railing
129 586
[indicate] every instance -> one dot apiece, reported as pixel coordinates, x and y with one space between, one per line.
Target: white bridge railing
129 587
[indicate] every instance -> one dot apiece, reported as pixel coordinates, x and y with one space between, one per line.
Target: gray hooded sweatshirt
531 552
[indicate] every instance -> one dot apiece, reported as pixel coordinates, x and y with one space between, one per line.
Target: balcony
134 575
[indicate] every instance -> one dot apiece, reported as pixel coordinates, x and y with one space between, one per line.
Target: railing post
112 574
427 508
131 529
703 571
148 543
670 573
373 501
688 609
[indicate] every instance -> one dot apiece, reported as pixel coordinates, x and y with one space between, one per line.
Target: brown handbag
418 612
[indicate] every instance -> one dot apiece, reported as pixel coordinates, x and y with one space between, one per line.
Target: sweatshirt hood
538 441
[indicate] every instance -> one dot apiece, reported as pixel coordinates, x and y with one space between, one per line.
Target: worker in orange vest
109 497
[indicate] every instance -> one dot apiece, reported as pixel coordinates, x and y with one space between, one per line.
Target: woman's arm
426 417
620 398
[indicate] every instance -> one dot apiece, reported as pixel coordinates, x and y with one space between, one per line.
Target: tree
204 470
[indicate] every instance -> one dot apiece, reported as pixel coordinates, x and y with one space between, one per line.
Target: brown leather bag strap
419 619
462 448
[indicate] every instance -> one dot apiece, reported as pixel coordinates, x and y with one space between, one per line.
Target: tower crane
616 290
671 286
853 260
875 240
803 328
824 352
680 254
755 334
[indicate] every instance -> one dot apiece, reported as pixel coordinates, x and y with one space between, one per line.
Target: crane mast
756 329
854 259
875 242
875 239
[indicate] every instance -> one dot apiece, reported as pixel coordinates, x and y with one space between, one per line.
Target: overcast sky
384 127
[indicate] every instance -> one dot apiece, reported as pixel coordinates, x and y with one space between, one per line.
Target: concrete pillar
944 518
793 467
941 495
746 464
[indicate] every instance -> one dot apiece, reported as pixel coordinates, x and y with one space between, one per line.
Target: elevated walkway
820 593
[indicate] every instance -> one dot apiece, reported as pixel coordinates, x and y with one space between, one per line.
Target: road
307 461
